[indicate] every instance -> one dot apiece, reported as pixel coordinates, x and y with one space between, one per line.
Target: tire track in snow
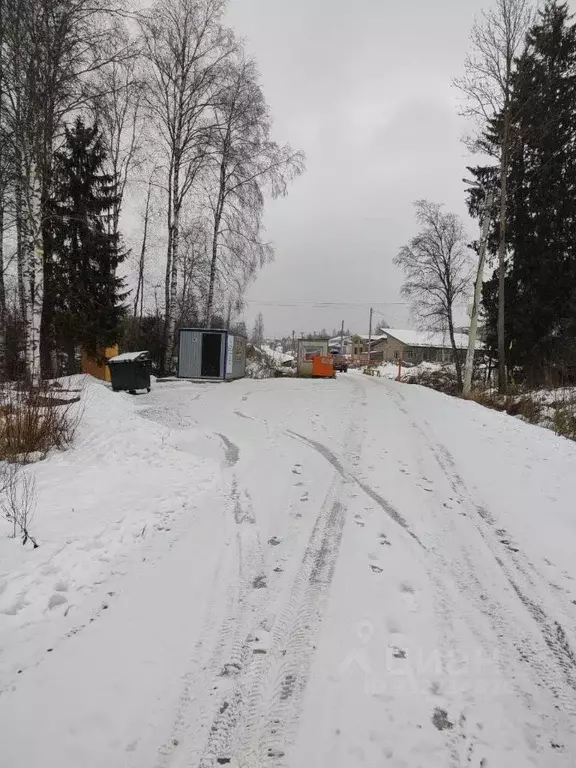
204 660
220 653
386 506
552 631
232 666
258 719
543 673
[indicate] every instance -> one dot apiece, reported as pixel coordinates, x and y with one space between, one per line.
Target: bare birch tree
54 46
496 40
139 294
437 270
117 106
195 267
245 164
184 44
4 174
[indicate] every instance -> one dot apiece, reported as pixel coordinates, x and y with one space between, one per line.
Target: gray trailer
211 354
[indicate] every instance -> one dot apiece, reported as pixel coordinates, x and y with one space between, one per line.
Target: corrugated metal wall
237 357
190 354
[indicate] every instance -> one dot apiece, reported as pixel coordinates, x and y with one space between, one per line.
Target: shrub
441 378
34 420
565 423
526 407
18 500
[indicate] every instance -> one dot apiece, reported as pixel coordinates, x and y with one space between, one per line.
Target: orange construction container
96 368
323 366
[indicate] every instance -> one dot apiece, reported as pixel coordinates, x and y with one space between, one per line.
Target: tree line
102 111
519 88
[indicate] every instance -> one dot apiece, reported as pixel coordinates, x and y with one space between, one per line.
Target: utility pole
473 330
370 336
294 342
342 339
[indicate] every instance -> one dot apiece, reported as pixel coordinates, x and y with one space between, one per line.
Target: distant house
419 346
355 346
335 343
361 343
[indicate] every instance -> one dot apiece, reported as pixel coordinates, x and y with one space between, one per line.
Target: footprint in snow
375 568
440 720
274 541
507 544
358 520
384 541
56 599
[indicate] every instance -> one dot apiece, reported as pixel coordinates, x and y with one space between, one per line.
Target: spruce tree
541 275
85 251
543 177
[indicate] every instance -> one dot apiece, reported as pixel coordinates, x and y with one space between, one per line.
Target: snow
288 572
126 357
277 356
430 339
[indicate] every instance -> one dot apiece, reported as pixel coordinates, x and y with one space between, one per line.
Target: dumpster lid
127 357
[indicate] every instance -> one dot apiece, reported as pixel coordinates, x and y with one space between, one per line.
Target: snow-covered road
310 574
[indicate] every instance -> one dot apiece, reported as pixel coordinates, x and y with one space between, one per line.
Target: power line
320 304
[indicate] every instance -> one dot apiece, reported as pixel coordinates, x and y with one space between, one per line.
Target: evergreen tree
85 251
541 275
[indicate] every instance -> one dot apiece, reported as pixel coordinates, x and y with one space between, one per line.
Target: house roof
364 337
437 339
335 341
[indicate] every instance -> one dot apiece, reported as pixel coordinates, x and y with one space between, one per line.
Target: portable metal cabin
210 353
308 349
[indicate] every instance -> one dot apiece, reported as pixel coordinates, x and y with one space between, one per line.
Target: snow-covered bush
265 363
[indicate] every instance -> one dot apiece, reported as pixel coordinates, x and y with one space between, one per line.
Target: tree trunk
3 175
455 353
20 255
163 351
502 374
139 299
2 294
215 239
34 281
171 316
473 330
213 266
47 322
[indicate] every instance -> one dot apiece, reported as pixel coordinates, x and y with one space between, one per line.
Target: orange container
323 366
95 368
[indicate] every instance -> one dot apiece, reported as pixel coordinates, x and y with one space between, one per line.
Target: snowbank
120 484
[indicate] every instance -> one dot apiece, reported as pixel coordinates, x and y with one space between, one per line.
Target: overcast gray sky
364 88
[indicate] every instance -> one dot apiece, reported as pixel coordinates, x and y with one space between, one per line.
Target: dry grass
33 421
524 406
